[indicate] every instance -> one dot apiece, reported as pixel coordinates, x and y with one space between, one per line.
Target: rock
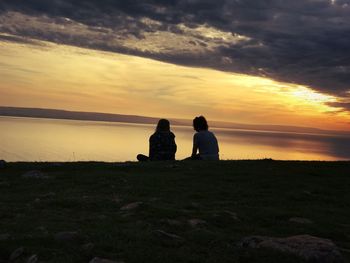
48 195
43 230
173 222
4 237
103 260
67 236
126 215
2 164
35 174
162 233
196 222
300 220
131 206
194 205
88 246
116 199
233 215
307 193
309 248
32 259
17 254
19 215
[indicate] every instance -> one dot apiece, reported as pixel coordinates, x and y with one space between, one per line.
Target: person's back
207 145
162 146
204 141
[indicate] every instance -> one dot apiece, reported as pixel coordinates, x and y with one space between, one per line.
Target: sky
243 61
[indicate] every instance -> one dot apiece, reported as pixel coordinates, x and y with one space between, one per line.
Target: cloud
19 39
301 41
343 105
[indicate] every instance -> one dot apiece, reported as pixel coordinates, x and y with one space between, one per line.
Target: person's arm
173 144
151 147
217 144
195 145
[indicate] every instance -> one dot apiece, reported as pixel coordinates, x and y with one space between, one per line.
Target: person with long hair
204 141
162 146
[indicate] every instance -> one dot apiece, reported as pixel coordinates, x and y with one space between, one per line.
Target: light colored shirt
207 145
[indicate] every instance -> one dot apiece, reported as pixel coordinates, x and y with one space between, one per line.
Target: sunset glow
55 76
271 77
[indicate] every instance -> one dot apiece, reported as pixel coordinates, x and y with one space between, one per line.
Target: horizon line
65 114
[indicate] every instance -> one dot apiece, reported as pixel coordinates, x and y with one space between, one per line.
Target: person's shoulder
212 135
153 136
201 132
210 132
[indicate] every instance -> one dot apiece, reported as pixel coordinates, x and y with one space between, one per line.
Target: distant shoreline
135 119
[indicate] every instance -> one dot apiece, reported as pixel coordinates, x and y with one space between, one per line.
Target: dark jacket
162 146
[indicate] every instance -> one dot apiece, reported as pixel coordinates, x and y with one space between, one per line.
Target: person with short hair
162 146
204 141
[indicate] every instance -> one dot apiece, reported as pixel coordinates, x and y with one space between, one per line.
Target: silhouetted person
162 144
204 141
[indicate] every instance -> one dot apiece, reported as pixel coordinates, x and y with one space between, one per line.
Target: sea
53 140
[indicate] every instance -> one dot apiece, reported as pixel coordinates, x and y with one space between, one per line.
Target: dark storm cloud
301 41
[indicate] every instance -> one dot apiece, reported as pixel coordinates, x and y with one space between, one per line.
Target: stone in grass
16 254
4 237
67 236
116 199
88 246
103 260
172 222
194 205
102 217
309 248
131 206
32 259
167 235
48 195
300 220
233 215
194 222
36 174
43 230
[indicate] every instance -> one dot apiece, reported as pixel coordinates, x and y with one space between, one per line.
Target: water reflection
286 146
26 139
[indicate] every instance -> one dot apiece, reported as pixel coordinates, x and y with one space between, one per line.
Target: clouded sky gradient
264 62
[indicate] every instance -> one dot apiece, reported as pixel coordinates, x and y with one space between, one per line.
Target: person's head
163 125
200 124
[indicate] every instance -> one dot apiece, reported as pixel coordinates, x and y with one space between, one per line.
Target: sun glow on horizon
65 77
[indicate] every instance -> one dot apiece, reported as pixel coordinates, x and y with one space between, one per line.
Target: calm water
29 139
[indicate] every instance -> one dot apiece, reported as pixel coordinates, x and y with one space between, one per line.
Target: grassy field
206 208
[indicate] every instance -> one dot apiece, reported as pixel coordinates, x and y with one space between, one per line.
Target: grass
235 199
